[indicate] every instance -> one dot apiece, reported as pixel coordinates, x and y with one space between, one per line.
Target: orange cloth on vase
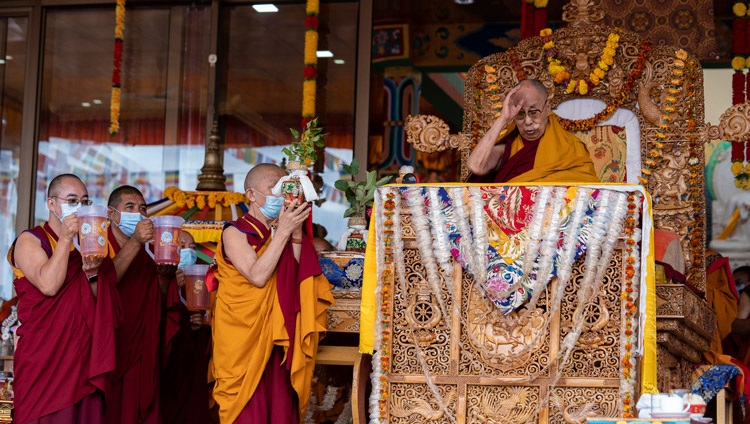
248 322
559 156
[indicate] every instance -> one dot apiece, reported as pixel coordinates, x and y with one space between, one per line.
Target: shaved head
536 85
261 172
54 185
116 196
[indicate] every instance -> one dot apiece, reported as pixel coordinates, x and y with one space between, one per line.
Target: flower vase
292 189
356 241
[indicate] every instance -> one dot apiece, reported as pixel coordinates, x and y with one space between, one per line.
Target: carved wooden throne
652 94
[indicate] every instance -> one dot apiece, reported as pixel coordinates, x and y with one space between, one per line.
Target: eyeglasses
74 202
534 114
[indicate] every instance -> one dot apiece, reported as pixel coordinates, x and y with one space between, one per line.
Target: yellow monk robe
248 323
559 156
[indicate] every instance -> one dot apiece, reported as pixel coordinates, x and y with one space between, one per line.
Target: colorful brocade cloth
711 382
529 233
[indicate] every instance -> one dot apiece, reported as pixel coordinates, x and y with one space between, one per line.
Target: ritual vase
292 189
356 241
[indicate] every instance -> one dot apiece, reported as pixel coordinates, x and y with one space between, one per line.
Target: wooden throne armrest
428 134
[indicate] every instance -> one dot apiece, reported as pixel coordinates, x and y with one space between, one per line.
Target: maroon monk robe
184 390
135 383
522 161
66 343
511 167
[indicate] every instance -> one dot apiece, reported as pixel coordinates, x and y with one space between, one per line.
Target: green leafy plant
303 148
359 194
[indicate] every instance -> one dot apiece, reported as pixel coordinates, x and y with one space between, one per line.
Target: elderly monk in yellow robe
527 144
270 309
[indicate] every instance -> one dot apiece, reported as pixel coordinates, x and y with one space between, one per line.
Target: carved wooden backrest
665 94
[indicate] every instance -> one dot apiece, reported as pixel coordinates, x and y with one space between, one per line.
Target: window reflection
13 36
262 97
164 86
165 96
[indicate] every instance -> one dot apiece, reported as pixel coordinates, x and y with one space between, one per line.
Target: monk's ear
250 195
110 213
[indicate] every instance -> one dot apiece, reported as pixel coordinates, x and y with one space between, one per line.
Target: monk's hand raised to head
144 231
69 227
510 110
292 217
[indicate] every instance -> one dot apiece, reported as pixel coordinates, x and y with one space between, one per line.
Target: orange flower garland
618 100
385 306
493 90
211 199
630 309
310 72
114 105
676 81
488 75
696 192
561 74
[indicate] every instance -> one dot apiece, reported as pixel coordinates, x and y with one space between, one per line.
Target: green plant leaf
383 181
341 185
371 176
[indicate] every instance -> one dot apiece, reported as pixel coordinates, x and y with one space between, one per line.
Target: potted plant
360 194
301 155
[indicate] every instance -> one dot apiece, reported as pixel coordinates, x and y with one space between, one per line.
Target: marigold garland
695 162
560 73
740 90
618 100
385 307
114 105
739 9
491 78
485 86
201 200
629 295
670 100
310 72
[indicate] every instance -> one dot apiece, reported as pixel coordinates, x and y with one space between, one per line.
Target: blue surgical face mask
128 221
68 210
272 208
187 257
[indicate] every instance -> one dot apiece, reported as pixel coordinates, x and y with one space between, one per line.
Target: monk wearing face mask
141 285
527 143
68 307
270 310
184 391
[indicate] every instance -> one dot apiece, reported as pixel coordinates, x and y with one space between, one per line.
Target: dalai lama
528 144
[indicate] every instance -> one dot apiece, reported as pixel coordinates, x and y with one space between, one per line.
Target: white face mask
67 210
